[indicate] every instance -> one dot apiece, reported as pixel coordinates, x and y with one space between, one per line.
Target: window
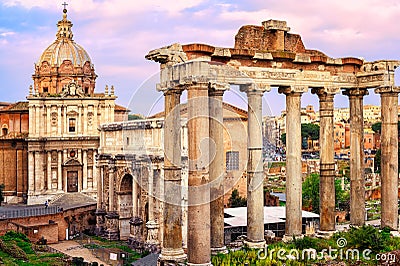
72 125
45 89
5 131
232 160
86 90
127 141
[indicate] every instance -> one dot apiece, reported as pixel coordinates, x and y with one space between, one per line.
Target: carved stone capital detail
257 88
325 91
387 89
355 92
292 89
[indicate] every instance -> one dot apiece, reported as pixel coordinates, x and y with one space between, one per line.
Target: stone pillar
111 189
357 180
134 197
199 249
389 156
31 120
327 161
65 157
49 170
85 120
172 251
85 170
37 121
48 120
255 173
100 212
217 171
94 173
31 172
59 170
151 194
293 226
59 120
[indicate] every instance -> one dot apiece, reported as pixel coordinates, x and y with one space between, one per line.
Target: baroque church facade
58 138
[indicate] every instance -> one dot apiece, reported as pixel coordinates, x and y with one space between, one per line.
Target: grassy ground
16 249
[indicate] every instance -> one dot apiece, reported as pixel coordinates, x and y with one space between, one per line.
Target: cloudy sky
117 34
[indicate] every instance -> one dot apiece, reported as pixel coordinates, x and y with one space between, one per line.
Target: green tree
310 192
283 138
236 200
376 127
308 131
377 160
1 193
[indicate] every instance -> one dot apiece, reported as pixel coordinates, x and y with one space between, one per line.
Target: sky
118 34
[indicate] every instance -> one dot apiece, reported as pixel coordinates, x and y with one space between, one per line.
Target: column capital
325 91
217 88
169 87
387 89
194 81
293 89
255 88
355 92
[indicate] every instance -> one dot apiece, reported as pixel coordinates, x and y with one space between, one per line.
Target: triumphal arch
265 57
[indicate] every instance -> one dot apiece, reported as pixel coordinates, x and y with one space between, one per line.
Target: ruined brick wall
258 38
14 168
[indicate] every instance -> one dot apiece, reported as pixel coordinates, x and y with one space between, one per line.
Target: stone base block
202 264
112 235
254 244
325 234
289 238
215 251
171 256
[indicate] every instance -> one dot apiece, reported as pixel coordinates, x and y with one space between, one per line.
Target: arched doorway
125 205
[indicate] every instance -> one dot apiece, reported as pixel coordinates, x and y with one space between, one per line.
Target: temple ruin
265 57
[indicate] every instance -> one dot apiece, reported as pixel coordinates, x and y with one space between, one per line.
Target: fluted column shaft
199 246
293 225
216 170
357 180
389 157
327 161
172 235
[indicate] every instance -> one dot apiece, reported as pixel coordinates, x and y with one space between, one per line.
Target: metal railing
28 211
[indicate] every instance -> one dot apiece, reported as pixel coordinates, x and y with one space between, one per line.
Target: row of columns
205 231
39 115
37 177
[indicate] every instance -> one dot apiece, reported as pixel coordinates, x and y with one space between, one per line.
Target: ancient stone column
293 226
172 251
217 166
389 156
199 246
357 180
84 170
31 172
255 173
327 161
59 170
111 190
49 170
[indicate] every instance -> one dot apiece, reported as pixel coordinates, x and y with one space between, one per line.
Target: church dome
63 62
64 47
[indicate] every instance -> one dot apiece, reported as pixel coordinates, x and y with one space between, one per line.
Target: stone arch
125 203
